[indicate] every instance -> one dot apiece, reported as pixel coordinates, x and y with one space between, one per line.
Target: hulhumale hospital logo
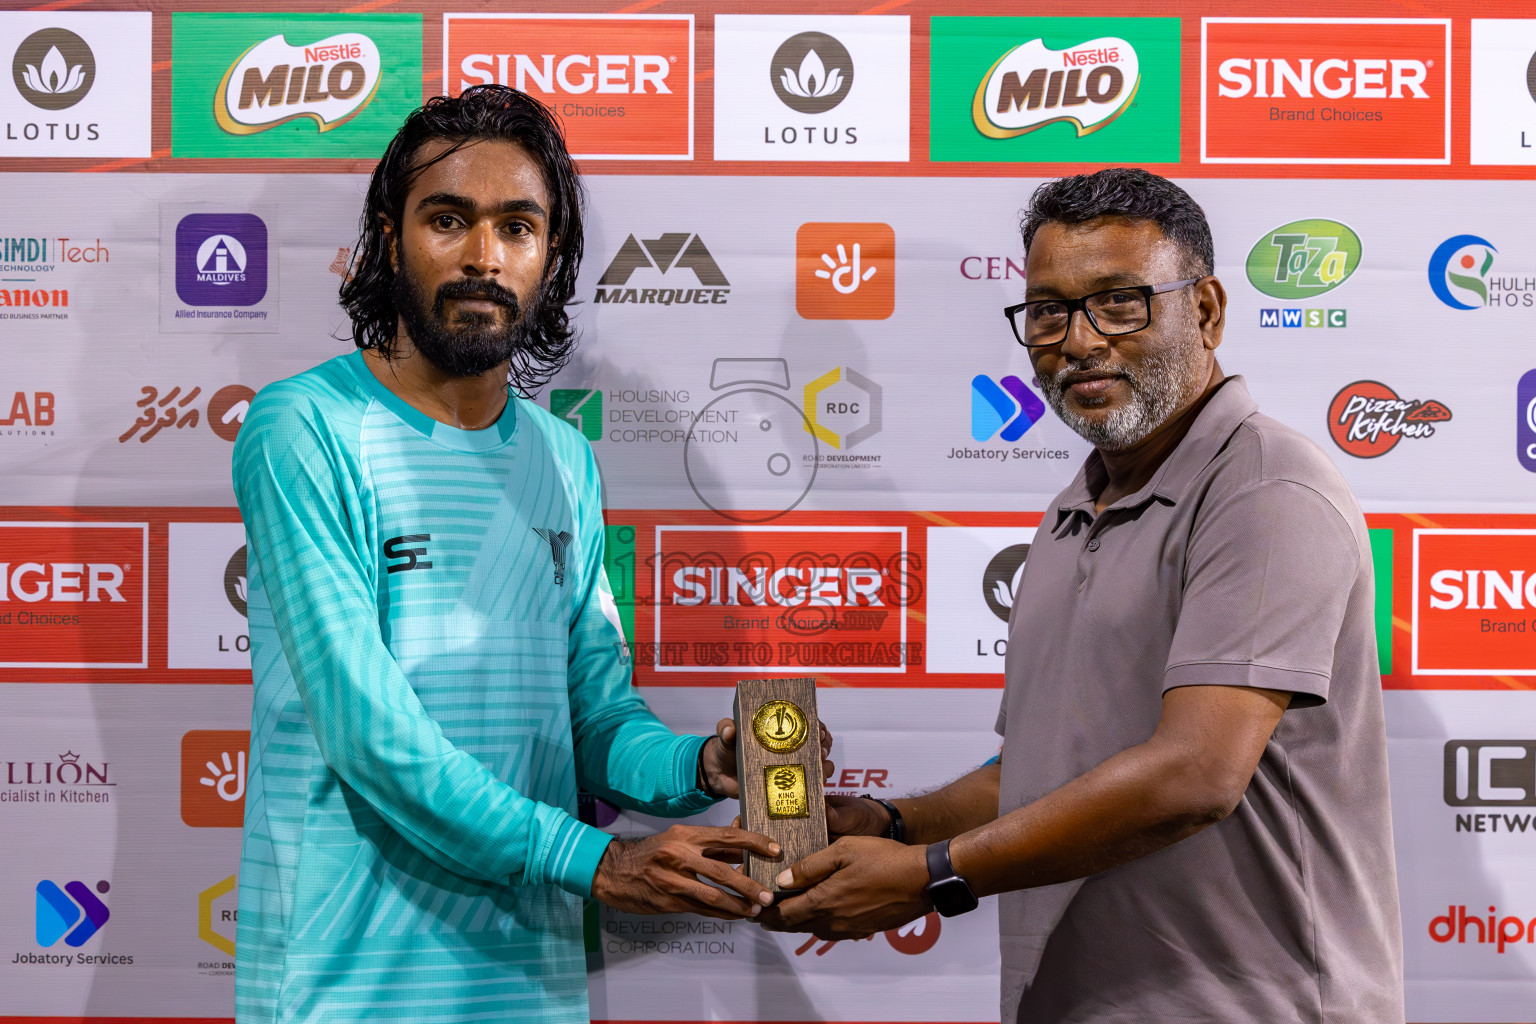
1462 262
221 259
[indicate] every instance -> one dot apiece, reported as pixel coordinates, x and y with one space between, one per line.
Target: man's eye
1047 310
445 220
1120 298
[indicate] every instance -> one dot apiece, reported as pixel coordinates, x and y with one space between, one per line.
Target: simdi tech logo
1367 419
845 271
73 595
799 87
1325 90
1050 89
1474 602
292 85
1302 260
75 84
622 84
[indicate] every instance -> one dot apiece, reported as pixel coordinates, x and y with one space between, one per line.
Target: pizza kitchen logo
1032 85
1367 419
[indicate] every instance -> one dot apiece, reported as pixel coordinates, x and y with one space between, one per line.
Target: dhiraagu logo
292 85
1055 89
1303 259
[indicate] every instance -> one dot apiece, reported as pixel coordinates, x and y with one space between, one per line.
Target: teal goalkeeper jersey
438 662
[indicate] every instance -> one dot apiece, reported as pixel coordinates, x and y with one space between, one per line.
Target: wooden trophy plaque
778 760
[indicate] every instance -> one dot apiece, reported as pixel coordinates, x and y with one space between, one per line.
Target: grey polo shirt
1244 562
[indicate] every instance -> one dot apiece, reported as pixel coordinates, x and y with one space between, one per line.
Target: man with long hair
437 656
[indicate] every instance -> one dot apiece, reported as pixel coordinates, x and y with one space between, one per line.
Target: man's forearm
965 804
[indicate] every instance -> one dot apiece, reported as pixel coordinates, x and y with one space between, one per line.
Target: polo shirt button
1093 545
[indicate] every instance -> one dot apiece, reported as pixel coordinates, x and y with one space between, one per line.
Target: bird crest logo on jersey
558 541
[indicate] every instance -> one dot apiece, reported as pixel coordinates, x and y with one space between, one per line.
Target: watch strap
939 866
898 827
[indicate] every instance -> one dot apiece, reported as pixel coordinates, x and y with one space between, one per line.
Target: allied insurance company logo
1474 602
73 595
53 69
221 259
622 84
1303 260
1325 91
1000 84
213 774
1460 275
1367 418
845 271
669 252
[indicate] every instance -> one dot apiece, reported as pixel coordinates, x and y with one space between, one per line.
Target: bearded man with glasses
1189 820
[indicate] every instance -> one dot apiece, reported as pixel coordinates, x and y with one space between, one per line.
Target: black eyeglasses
1114 311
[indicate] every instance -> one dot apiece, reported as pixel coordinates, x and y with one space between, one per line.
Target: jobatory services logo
1302 260
1474 602
1048 89
1525 420
73 595
673 251
622 84
206 584
582 408
783 598
1461 276
845 271
213 773
845 409
1004 409
1367 418
798 87
1503 109
73 912
973 575
292 85
79 84
1325 90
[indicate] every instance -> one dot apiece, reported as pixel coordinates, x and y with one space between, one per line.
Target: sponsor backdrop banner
823 451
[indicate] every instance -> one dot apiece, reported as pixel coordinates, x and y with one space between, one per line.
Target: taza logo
53 69
1367 418
1031 86
1304 258
811 72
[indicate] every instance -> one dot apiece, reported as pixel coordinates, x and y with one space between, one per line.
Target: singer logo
1474 602
213 771
73 595
780 598
622 84
1325 91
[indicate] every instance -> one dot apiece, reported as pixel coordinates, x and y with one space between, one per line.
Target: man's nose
1082 339
482 251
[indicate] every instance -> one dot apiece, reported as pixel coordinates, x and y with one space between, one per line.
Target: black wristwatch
897 829
951 894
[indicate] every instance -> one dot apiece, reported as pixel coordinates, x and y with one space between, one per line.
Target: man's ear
551 255
391 241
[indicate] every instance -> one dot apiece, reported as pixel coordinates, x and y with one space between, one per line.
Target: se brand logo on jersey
292 85
845 271
1321 90
73 595
622 85
1090 89
213 773
1367 419
1474 602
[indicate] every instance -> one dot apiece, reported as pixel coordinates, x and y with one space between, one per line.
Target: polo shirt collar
1228 406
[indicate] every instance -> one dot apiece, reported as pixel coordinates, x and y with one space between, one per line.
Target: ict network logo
73 913
1005 408
221 259
845 271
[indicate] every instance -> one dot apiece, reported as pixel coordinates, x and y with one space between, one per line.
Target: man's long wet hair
497 113
1134 194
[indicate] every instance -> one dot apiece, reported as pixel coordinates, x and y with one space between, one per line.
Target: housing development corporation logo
812 87
1525 420
845 271
622 84
53 69
582 408
1474 602
1093 89
259 85
673 251
73 913
1325 90
1367 419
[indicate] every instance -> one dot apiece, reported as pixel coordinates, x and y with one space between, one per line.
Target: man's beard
1162 384
472 343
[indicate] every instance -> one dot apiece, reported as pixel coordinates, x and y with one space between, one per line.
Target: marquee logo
221 259
73 595
213 774
73 913
1031 86
1325 90
1462 262
274 82
53 69
1474 602
1007 406
845 271
670 252
1367 419
811 72
622 84
1303 259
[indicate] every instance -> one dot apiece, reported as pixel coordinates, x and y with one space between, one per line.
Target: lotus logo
53 69
1031 86
275 82
811 72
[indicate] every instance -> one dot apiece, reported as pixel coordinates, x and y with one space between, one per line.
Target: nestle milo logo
1032 85
1304 258
274 82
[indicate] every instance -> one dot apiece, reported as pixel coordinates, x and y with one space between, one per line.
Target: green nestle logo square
292 85
582 408
1080 90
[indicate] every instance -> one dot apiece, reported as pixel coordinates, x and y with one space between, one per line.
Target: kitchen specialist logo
66 779
1367 419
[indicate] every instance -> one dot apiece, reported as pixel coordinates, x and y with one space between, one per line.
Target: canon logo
61 581
576 73
1375 78
1465 588
787 587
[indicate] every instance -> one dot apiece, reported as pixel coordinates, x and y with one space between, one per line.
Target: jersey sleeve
303 521
623 752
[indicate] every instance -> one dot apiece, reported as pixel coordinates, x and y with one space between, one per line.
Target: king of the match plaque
778 760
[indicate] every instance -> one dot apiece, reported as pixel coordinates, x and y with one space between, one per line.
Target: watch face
952 896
